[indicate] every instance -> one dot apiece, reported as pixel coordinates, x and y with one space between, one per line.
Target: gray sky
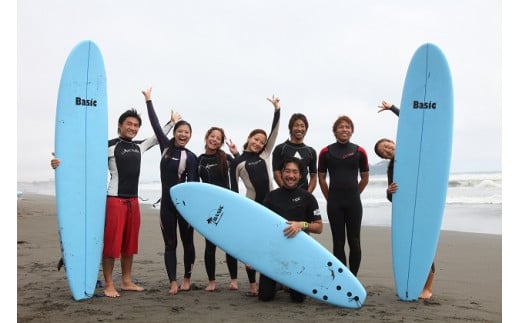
217 61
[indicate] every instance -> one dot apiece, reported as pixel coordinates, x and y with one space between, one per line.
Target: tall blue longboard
254 235
421 169
81 136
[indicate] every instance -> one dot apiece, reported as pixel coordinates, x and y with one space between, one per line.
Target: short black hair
130 113
295 160
298 116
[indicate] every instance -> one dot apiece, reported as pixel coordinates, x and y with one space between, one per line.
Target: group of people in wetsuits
296 168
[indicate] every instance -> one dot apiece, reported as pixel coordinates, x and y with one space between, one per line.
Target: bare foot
174 289
185 285
252 289
233 285
110 290
426 294
131 287
211 286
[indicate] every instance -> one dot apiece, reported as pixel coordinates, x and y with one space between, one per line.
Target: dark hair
298 116
254 132
377 144
181 123
130 113
172 141
297 161
221 155
341 119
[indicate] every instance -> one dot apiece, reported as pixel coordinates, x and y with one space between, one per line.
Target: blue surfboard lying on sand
81 136
254 235
422 167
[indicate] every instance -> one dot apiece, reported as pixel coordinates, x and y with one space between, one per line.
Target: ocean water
473 203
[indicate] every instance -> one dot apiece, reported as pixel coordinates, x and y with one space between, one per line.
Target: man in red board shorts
123 216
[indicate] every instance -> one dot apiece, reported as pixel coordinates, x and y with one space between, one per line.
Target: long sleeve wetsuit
178 165
253 169
123 215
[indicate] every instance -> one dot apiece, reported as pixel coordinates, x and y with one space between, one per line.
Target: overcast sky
217 61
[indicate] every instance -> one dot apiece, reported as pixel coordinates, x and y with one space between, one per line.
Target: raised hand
384 106
275 101
232 147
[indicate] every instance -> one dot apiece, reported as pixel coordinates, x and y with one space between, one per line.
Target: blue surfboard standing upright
421 169
81 136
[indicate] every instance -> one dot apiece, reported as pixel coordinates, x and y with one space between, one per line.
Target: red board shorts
122 222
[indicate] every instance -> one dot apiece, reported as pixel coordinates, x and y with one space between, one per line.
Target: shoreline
465 287
467 217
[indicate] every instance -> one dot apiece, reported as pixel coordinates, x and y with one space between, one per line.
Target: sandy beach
467 286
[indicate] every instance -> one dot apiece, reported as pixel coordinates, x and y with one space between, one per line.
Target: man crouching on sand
300 209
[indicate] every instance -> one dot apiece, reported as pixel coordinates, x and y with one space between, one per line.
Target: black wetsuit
305 153
178 165
124 163
210 172
294 205
344 162
390 169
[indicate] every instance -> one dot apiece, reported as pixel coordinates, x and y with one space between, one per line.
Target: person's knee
170 246
354 243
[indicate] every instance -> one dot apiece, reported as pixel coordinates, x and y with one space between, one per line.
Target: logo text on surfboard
215 218
86 102
424 105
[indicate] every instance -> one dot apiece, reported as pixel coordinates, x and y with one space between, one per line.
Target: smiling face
298 131
256 141
214 140
298 126
386 149
129 128
182 135
291 175
343 131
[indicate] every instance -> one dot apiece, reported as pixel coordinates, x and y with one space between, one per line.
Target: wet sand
467 286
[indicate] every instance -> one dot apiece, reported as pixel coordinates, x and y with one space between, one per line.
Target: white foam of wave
468 208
